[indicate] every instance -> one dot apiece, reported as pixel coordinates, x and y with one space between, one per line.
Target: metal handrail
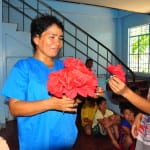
117 58
99 44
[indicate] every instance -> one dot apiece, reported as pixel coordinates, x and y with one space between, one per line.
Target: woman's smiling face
49 42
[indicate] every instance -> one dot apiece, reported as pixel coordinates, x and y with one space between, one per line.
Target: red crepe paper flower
75 79
118 71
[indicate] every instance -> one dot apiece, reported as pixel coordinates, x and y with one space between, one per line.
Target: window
139 48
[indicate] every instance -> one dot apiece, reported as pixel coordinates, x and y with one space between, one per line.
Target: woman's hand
24 108
64 104
136 125
117 85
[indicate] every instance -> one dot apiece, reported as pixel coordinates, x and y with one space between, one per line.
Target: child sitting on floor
127 118
87 114
105 122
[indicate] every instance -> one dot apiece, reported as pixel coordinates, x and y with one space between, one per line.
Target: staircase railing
77 42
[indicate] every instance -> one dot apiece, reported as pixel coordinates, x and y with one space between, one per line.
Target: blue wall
97 21
109 26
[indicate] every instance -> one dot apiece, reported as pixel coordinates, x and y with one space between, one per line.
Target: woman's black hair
41 23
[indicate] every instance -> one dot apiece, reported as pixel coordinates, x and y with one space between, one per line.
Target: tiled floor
83 142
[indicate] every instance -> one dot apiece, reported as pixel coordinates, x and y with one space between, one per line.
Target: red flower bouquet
75 79
118 71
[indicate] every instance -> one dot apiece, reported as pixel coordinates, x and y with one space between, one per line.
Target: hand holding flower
117 71
117 85
64 104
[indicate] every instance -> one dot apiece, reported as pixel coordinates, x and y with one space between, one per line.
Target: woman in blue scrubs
44 121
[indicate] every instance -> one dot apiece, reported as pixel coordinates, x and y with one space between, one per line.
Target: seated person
127 118
105 122
87 114
89 63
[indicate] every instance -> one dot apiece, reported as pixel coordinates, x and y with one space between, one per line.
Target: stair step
6 26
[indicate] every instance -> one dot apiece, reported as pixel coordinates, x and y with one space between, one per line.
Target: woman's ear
36 39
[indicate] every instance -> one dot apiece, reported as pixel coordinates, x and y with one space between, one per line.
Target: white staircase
15 45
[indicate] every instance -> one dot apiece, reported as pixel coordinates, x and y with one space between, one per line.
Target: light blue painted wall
108 26
97 21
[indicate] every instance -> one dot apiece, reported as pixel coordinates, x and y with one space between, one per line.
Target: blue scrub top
50 130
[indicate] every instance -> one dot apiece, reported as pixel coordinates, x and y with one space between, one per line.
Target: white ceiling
139 6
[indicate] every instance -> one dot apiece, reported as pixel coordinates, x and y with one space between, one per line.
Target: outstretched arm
25 108
120 88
